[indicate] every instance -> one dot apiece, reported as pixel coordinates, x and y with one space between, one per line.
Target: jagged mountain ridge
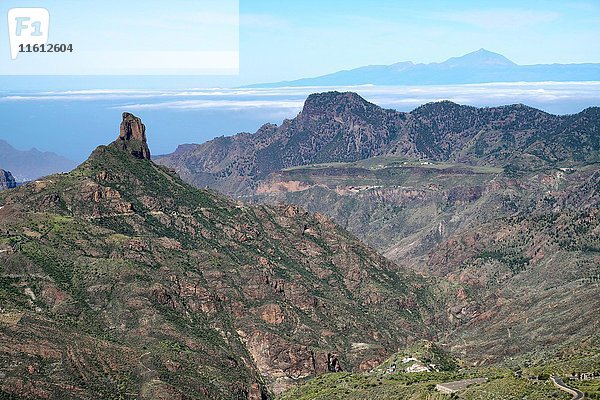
120 279
343 127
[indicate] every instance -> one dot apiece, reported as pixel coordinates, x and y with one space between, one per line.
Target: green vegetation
501 385
138 283
425 352
524 377
377 163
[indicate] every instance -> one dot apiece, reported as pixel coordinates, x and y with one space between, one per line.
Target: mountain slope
524 247
119 280
524 377
480 66
343 127
501 201
32 164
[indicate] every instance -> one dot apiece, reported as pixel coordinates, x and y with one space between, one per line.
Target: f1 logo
27 26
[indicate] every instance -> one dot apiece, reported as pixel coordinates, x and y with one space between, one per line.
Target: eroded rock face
7 181
132 137
201 296
132 128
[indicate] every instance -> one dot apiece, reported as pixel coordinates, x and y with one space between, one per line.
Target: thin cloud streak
222 104
292 98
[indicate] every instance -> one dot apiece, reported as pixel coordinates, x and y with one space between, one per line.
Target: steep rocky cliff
132 137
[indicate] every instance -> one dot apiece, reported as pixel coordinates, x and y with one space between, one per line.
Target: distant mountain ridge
27 165
344 127
481 66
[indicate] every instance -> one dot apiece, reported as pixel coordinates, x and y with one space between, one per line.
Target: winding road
558 382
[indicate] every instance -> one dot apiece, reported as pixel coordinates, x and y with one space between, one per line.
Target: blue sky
281 40
291 39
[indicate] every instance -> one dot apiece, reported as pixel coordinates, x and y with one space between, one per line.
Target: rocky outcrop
333 363
132 137
132 128
7 181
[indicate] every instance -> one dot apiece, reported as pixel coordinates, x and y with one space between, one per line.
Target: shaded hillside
119 280
525 249
332 126
343 127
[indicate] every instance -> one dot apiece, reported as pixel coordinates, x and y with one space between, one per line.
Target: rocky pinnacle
132 137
